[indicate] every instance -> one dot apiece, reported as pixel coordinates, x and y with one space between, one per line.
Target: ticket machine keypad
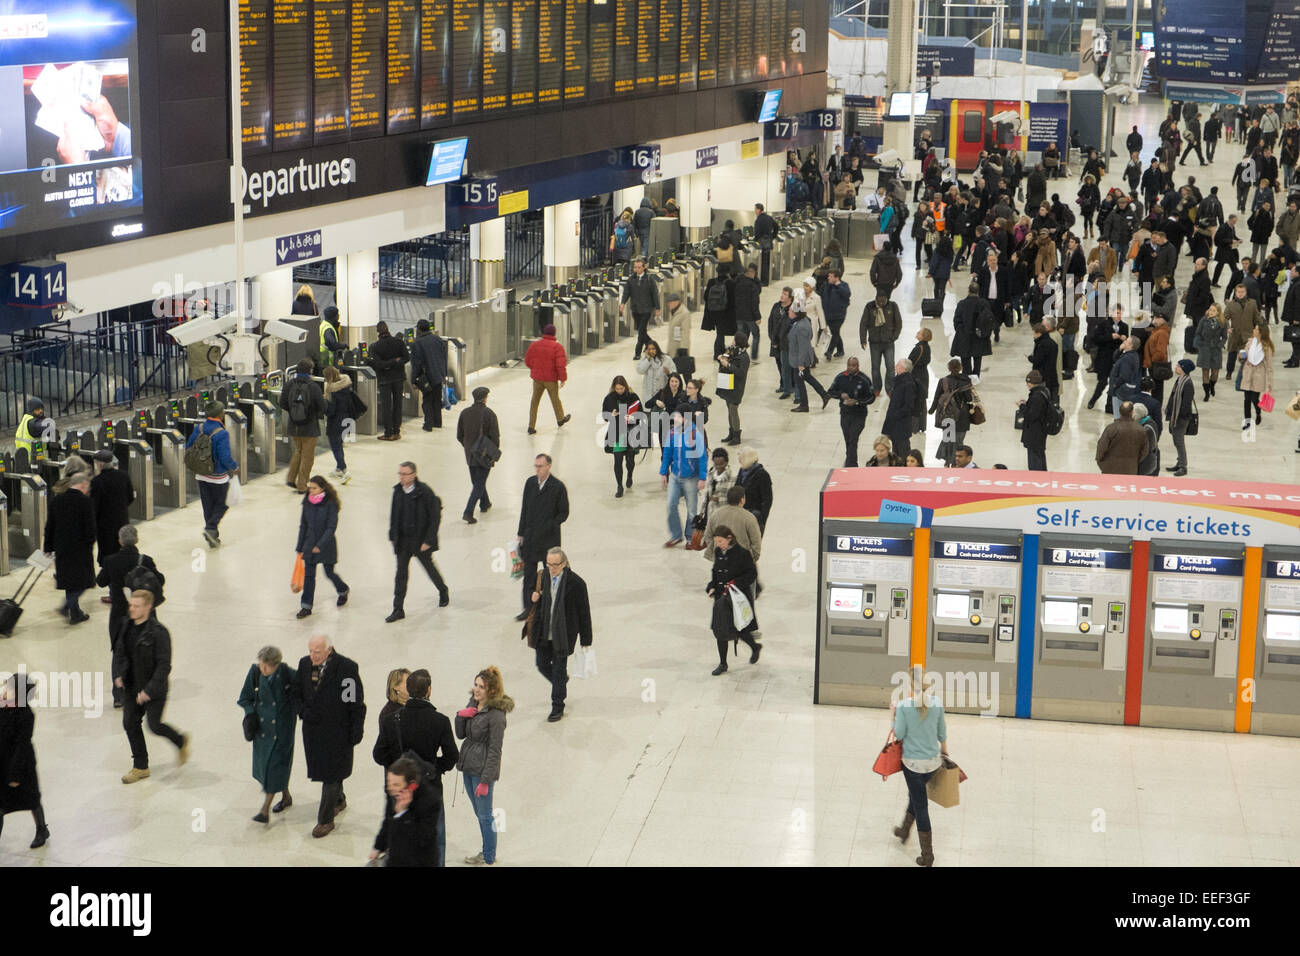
1227 624
899 606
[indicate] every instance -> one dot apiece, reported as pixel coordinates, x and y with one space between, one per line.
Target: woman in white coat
812 303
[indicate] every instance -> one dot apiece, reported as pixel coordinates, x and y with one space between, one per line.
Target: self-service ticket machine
974 627
866 611
260 413
168 446
1276 707
1192 623
1081 628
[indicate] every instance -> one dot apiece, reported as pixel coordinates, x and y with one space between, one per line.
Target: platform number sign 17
37 285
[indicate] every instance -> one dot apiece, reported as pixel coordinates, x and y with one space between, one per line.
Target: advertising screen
898 105
69 102
447 161
1169 620
846 599
952 605
1059 615
1282 627
771 103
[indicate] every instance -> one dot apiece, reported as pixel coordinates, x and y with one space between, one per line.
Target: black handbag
1291 333
1193 424
251 721
1162 371
484 451
1189 339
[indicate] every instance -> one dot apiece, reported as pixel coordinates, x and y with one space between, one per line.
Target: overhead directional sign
299 247
945 61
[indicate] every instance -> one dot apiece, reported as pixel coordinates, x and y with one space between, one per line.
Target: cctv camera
888 157
203 327
1006 116
1119 89
281 329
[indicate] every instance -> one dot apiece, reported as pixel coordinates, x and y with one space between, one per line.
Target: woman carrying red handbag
919 724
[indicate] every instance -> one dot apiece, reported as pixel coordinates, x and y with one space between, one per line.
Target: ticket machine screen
1282 627
1059 615
952 605
846 599
1170 620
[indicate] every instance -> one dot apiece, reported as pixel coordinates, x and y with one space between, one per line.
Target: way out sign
299 247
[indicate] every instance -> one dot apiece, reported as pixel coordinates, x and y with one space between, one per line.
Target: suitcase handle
29 583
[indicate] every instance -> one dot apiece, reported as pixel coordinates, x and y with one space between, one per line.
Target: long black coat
423 729
735 566
412 838
576 606
540 516
316 529
758 492
413 518
966 321
70 535
333 715
112 494
18 756
429 359
112 575
1043 360
1199 294
1034 434
1100 337
721 320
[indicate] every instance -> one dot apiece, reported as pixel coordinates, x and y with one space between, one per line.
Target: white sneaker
475 860
345 477
337 473
974 379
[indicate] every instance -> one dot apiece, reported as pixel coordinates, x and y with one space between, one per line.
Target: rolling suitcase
931 308
11 609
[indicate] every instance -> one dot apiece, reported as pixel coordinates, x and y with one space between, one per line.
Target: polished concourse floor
656 762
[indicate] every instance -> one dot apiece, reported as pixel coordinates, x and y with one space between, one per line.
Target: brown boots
905 831
927 849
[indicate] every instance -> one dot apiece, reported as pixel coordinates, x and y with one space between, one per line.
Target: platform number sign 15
37 285
479 192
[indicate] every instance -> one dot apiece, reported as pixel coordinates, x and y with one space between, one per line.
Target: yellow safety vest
30 442
326 356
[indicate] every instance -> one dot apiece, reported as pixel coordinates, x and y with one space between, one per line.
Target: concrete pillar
737 187
630 197
900 71
356 293
694 201
560 252
487 252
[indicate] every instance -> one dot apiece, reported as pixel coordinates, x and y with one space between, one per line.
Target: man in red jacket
546 360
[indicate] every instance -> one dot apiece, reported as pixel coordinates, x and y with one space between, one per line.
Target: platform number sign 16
37 285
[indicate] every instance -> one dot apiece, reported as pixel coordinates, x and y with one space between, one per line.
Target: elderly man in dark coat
112 493
478 421
898 417
545 507
330 701
69 537
428 370
559 625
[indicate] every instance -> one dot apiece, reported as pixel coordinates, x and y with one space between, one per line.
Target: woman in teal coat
266 695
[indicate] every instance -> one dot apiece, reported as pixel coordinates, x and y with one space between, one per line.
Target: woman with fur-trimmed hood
482 725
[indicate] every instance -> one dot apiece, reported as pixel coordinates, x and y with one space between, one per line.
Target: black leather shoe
282 806
470 519
444 599
720 669
521 616
38 841
397 615
758 649
303 612
556 714
1173 468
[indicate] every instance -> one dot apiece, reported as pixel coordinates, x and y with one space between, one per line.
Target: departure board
761 25
600 50
688 47
794 18
254 78
746 48
291 72
647 46
575 51
366 69
402 49
435 63
669 39
707 69
728 75
778 41
550 51
625 47
467 58
496 56
523 54
330 48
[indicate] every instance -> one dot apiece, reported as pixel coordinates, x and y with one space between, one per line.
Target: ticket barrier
236 426
1191 635
25 498
569 316
973 626
412 397
866 612
135 457
593 310
608 291
260 415
4 531
50 466
1081 628
364 380
192 416
168 446
781 262
1276 707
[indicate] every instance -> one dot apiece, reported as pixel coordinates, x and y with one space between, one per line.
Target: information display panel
728 74
688 55
793 18
1201 42
254 73
550 52
466 58
435 63
403 88
523 54
600 50
707 69
746 49
291 72
625 46
575 51
762 31
330 90
778 41
669 44
366 69
647 46
496 56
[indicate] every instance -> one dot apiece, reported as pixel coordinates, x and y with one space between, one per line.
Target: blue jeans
1115 403
679 487
213 498
1067 342
918 801
334 432
71 600
482 807
750 328
309 580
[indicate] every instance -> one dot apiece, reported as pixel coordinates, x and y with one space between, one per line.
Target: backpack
429 776
198 457
622 235
1054 420
1067 216
140 578
299 414
798 191
715 300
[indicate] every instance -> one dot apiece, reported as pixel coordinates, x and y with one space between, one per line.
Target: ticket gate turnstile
260 415
411 396
366 383
25 506
569 316
1190 660
135 457
168 447
607 292
1081 623
1276 705
593 312
4 534
973 629
865 616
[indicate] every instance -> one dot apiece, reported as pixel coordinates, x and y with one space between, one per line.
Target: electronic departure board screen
523 54
625 48
366 69
291 72
707 69
575 51
467 58
647 46
403 55
435 65
688 56
746 48
254 73
600 50
550 51
728 74
760 27
669 39
778 40
330 73
794 18
496 56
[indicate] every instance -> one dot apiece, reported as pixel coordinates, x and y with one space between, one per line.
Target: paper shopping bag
943 786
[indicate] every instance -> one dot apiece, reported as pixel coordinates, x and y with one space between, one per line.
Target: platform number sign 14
37 285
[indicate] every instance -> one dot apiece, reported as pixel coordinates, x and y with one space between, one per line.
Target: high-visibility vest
29 442
938 212
326 355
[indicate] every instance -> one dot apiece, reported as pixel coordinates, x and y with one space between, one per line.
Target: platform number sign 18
824 120
37 285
